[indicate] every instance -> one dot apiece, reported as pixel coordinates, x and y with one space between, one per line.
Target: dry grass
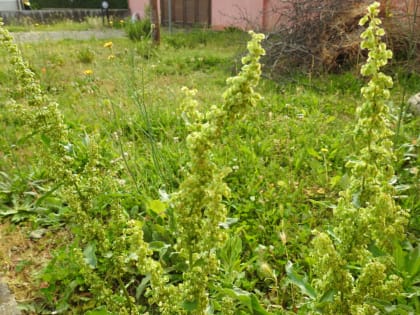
22 258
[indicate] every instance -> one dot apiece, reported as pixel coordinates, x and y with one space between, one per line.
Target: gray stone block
414 102
8 305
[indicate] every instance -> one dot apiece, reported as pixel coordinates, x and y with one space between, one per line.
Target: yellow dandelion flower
111 57
108 45
121 21
88 72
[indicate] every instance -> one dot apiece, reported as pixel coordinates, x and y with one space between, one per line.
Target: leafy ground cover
122 104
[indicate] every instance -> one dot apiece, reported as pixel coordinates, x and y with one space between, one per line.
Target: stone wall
54 15
8 305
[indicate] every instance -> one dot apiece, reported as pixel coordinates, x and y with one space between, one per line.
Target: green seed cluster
198 207
366 216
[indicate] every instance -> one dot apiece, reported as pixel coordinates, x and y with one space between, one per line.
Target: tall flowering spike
372 169
366 215
42 113
198 206
38 112
241 95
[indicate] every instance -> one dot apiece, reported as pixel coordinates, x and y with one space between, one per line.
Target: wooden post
155 22
170 15
264 16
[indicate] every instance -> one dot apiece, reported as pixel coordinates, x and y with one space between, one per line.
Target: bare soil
22 258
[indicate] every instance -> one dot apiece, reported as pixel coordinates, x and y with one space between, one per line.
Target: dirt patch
8 304
22 258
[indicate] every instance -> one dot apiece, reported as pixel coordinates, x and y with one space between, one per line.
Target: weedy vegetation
153 185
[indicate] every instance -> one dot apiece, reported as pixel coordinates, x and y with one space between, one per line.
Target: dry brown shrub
324 36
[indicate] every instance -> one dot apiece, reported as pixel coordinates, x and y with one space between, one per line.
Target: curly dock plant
39 113
353 263
109 246
113 246
198 207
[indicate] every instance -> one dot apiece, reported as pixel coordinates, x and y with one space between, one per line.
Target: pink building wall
251 14
139 6
245 14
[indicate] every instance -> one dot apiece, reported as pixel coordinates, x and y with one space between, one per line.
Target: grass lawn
90 23
286 156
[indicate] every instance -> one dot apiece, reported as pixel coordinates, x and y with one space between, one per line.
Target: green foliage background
91 4
122 152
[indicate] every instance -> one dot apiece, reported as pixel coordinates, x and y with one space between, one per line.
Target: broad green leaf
247 299
313 153
47 194
156 245
356 200
242 296
62 307
99 311
142 286
86 140
5 213
300 282
46 140
228 222
230 253
257 308
413 262
190 305
157 206
90 256
399 256
328 296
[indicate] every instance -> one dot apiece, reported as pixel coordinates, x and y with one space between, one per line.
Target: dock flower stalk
366 216
198 204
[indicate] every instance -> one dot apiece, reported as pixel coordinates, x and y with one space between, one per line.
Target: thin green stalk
122 152
127 295
139 100
401 112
